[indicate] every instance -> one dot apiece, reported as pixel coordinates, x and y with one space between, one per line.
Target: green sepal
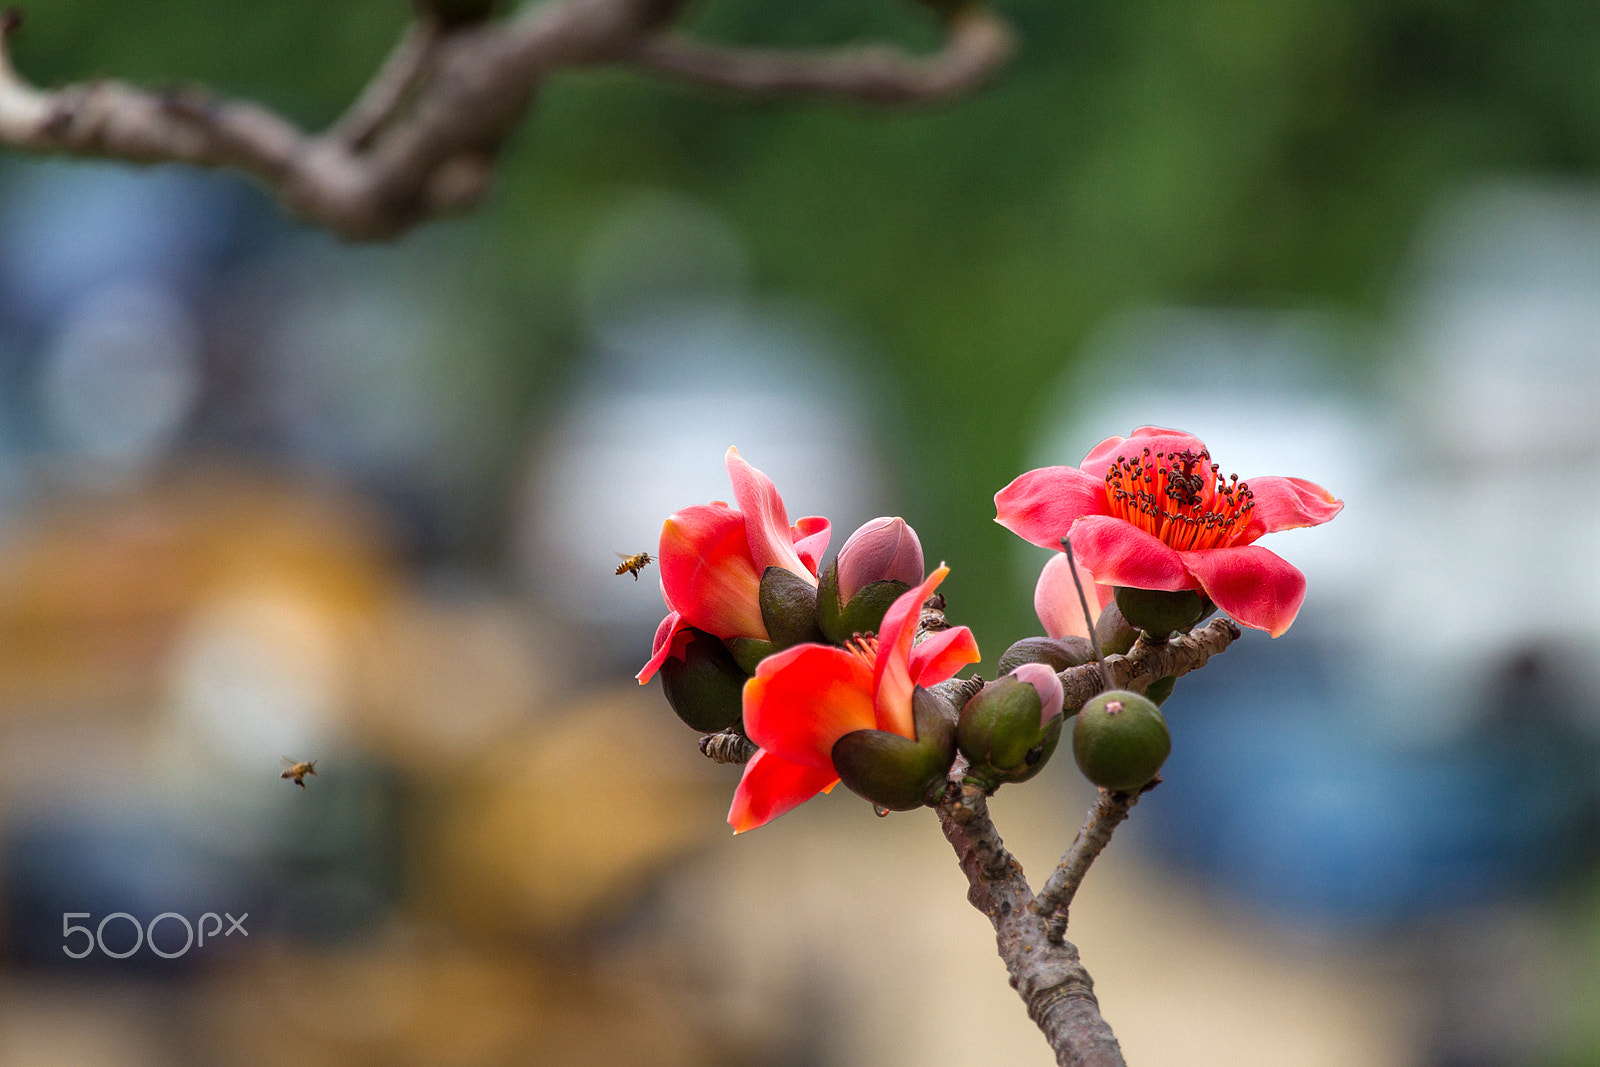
1000 734
1115 635
896 772
788 608
1120 740
1160 689
706 686
828 608
747 652
1057 653
1160 613
864 614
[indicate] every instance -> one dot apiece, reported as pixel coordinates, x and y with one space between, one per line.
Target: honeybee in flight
298 770
634 564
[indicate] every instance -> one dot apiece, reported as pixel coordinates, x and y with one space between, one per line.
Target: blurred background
264 494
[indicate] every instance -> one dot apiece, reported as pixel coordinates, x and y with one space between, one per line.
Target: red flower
1055 598
1152 512
711 559
805 698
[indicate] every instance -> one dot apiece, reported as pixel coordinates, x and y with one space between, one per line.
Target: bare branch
1146 663
1105 816
422 138
979 44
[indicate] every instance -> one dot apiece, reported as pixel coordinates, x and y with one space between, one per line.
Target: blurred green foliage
1271 151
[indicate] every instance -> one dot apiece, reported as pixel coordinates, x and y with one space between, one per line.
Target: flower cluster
826 672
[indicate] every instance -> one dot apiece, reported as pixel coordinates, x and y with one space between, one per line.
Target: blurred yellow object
570 817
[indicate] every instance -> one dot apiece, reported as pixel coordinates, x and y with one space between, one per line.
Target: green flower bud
1116 636
1120 740
788 608
896 772
1160 613
862 614
705 687
748 652
1160 689
1057 653
1010 729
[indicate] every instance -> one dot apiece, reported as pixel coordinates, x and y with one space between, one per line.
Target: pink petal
943 654
1155 438
670 627
805 698
1290 503
766 522
1041 505
1118 553
891 675
771 786
1055 598
1047 683
707 573
1256 587
810 537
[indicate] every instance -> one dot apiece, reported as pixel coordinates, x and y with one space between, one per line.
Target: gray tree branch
422 138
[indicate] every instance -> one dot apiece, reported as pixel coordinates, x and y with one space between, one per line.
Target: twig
1104 817
422 138
1146 663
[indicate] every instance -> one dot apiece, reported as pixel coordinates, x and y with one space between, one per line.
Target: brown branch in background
729 746
1047 975
422 138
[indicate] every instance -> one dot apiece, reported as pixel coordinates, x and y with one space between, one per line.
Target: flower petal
1055 598
1041 505
1155 438
1256 587
810 536
670 627
1290 503
766 522
707 573
943 654
805 698
891 675
1118 553
773 785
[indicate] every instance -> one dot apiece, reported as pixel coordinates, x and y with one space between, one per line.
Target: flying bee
634 564
298 770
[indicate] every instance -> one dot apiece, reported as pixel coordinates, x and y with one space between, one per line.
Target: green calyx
862 615
747 652
706 686
1160 613
1115 635
1057 653
1000 734
1120 740
1160 689
896 772
788 608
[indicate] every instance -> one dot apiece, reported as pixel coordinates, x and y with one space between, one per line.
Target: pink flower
803 699
1055 598
1152 511
712 557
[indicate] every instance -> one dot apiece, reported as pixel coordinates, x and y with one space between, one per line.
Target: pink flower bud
885 548
1047 684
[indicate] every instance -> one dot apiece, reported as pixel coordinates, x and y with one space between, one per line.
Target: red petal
771 786
891 675
1055 598
1155 438
1041 505
1118 553
766 522
670 627
805 698
1290 503
943 654
810 536
707 573
1251 584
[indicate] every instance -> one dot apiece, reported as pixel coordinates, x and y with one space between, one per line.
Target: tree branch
1047 975
422 137
1147 662
1105 816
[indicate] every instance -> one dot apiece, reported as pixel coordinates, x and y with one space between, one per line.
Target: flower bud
885 549
1120 741
1160 689
1009 730
862 614
1160 613
788 608
896 772
1116 636
1057 653
704 685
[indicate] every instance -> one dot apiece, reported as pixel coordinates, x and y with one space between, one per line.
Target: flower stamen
863 647
1180 498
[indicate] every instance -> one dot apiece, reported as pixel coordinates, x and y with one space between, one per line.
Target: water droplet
880 811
